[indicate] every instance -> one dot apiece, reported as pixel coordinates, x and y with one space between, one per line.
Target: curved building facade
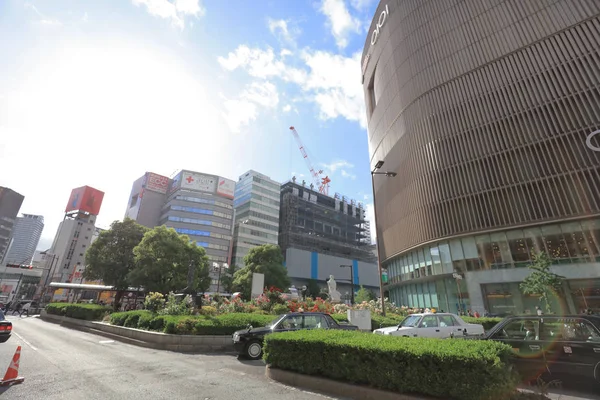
485 110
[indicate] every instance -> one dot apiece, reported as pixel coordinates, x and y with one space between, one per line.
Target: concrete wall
303 265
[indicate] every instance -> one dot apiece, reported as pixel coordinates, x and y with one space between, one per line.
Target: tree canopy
226 284
266 259
110 257
542 281
163 259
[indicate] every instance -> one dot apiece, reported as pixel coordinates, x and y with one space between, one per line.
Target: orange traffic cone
12 373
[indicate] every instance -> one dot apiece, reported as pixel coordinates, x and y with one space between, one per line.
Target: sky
98 92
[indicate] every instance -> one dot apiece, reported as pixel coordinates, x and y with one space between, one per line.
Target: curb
334 388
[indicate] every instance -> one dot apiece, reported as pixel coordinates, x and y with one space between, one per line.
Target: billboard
175 183
198 182
85 199
226 187
157 183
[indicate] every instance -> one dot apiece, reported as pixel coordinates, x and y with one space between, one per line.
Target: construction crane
321 182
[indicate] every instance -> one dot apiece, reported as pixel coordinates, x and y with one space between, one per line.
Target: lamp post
389 175
351 281
45 288
219 268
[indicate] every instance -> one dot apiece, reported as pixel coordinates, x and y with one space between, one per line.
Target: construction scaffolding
312 221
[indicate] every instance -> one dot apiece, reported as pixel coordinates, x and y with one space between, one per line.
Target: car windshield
275 321
410 321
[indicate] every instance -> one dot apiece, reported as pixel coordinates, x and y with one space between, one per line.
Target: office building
256 206
319 234
10 204
65 260
25 238
486 111
194 204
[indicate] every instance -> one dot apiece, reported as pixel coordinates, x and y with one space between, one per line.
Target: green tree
227 279
266 259
312 289
169 262
542 281
363 295
110 258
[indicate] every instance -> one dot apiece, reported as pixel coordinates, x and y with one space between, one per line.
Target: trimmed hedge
88 312
224 324
448 369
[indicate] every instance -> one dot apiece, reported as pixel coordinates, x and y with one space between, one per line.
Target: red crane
321 182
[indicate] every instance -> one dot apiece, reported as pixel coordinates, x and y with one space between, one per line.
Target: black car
249 342
5 328
566 346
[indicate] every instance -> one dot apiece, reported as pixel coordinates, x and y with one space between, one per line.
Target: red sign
157 183
85 199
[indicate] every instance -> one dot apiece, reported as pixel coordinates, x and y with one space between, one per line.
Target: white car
438 325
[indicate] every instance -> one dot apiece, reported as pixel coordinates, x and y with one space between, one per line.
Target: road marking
25 341
106 341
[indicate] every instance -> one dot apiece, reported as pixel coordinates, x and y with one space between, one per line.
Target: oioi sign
588 141
380 22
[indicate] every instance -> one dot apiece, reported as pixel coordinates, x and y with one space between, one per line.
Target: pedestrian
25 308
17 309
476 314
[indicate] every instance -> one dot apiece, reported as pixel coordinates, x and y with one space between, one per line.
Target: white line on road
25 341
106 341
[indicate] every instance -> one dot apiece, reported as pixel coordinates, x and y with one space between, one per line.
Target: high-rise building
321 235
256 206
25 238
195 204
10 204
486 111
66 258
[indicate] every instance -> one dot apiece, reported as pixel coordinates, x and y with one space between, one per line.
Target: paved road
61 363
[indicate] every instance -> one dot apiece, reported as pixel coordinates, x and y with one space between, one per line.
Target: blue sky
98 92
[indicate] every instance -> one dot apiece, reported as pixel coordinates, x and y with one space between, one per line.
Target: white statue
334 295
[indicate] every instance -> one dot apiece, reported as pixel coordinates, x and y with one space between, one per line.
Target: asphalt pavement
62 363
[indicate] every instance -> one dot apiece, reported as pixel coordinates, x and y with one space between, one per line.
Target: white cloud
243 110
347 174
175 11
261 64
287 108
340 21
361 5
44 20
332 81
334 166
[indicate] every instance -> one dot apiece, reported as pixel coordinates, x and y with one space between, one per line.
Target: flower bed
466 370
224 324
89 312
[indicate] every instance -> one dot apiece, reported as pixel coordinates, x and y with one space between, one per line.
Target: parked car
438 325
249 342
5 328
566 346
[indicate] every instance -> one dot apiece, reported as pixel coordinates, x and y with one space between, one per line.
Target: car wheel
254 350
4 339
597 373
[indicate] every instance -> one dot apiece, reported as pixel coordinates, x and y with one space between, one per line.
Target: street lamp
389 175
351 281
219 268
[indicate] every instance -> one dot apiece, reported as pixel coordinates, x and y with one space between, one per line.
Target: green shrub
488 323
119 318
89 312
279 309
175 306
154 301
157 324
208 310
145 319
132 319
448 369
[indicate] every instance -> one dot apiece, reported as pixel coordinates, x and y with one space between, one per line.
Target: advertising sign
85 199
226 187
157 183
176 182
199 182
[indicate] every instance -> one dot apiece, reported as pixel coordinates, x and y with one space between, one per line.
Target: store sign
380 22
199 182
157 183
588 141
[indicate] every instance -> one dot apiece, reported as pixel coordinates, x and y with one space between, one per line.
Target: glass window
458 257
429 321
502 256
484 247
441 295
421 259
533 240
433 293
314 322
569 329
435 259
520 329
445 258
427 255
470 252
555 243
414 265
591 230
446 320
518 248
575 241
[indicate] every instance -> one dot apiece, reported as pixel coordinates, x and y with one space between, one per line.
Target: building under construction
314 222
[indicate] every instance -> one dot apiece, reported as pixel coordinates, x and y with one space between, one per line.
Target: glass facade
566 243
